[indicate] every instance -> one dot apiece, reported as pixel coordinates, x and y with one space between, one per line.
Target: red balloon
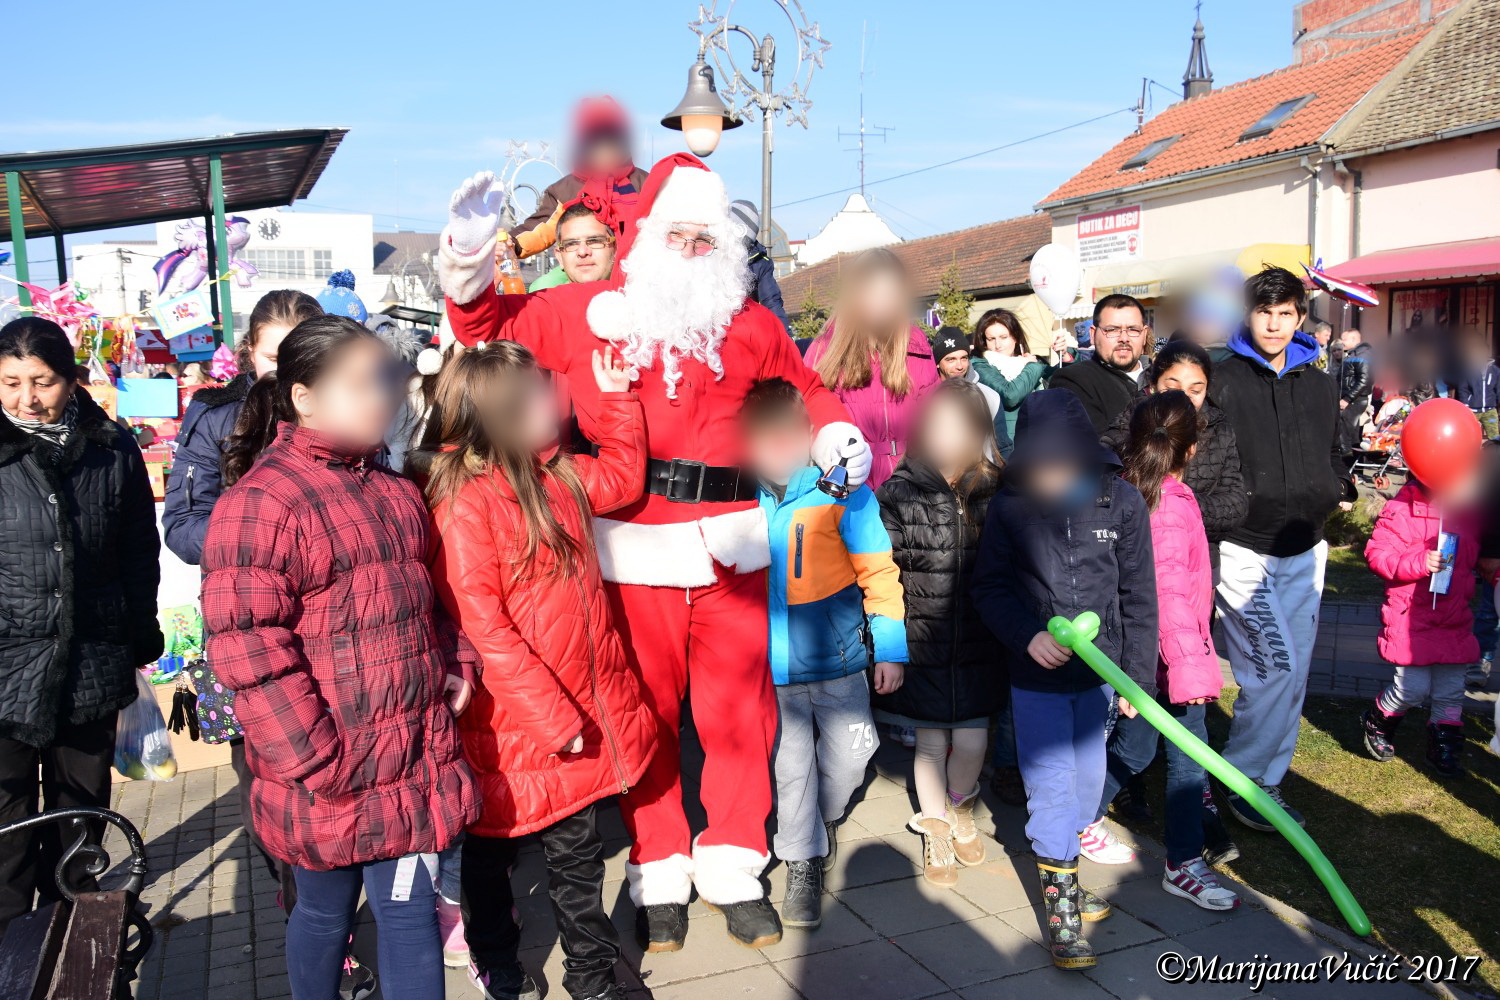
1441 442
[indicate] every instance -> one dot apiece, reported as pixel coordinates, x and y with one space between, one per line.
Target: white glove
839 441
474 212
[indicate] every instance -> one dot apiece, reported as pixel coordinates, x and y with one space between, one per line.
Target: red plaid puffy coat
319 610
551 663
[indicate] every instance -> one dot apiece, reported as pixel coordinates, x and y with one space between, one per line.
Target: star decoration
814 44
514 149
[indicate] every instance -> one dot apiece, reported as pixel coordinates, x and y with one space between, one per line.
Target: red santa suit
685 575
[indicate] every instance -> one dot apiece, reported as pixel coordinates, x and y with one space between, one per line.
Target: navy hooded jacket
1038 560
194 484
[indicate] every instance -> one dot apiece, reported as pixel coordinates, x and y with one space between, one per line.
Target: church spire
1198 79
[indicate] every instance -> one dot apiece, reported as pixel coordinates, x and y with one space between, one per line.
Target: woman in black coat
933 506
1214 473
77 594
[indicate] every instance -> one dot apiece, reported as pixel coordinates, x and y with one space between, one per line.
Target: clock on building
269 229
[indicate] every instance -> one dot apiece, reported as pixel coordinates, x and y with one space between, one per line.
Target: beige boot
967 844
939 864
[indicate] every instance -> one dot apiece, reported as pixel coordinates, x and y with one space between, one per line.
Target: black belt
685 481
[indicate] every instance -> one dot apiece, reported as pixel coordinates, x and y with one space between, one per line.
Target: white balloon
1056 275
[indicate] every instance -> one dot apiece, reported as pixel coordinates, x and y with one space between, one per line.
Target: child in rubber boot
1067 535
833 590
934 506
1163 439
1425 546
559 722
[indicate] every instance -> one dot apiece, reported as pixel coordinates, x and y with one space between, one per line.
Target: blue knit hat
338 298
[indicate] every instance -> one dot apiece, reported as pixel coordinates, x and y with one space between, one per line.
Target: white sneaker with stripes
1099 844
1195 881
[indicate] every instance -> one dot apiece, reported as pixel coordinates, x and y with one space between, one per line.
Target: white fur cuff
741 540
726 874
465 276
657 883
609 316
653 555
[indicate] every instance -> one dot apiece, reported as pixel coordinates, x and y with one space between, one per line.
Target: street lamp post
702 115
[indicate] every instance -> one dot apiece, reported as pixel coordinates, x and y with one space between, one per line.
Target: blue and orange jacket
832 583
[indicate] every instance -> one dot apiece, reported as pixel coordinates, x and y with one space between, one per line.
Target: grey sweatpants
827 736
1442 685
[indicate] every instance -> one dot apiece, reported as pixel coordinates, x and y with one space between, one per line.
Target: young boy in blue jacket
835 608
1066 535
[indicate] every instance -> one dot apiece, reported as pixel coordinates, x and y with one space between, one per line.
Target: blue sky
432 91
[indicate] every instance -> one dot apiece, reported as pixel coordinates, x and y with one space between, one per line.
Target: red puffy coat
551 663
319 610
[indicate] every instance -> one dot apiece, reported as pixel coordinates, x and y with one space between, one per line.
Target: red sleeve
251 602
780 358
540 322
618 476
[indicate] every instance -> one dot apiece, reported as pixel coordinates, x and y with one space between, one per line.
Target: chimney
1198 80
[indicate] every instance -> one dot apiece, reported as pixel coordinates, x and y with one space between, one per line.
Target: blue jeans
450 871
1005 739
1060 748
1132 751
401 897
1485 620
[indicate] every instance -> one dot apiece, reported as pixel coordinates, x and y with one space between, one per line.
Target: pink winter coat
1187 666
1413 632
883 419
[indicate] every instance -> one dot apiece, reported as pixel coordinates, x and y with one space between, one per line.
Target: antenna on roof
864 130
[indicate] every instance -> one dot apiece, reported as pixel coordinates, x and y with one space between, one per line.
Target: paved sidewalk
886 934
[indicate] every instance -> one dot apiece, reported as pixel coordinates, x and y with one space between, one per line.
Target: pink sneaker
451 930
1101 846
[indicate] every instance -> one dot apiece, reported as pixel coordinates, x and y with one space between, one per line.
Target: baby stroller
1379 453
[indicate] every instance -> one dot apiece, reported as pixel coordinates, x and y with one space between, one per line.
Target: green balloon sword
1079 637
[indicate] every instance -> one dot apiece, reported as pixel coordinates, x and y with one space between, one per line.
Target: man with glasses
684 565
1107 381
585 250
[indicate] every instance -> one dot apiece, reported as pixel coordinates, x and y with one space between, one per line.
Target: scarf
57 433
1008 365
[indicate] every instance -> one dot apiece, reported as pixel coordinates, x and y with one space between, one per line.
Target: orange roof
1210 126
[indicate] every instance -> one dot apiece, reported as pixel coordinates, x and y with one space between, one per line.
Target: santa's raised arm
685 563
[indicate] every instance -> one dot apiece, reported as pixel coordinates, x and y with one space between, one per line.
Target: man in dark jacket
1284 412
1108 379
763 286
1356 373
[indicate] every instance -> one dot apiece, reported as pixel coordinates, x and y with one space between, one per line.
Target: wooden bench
78 948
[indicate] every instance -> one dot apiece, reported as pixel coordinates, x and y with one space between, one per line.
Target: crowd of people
445 629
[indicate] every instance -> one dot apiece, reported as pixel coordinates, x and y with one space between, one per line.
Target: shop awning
1151 279
1435 262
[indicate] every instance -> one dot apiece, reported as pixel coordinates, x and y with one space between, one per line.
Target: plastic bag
143 748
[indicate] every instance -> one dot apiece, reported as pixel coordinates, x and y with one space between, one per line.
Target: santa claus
685 565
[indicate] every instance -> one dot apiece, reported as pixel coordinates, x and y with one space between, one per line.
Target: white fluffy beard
679 307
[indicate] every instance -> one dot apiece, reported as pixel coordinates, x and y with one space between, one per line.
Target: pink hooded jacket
1187 666
1413 632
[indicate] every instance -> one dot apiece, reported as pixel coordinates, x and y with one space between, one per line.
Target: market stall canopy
1434 262
1151 279
75 190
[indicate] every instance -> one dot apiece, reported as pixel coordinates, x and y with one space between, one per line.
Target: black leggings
575 877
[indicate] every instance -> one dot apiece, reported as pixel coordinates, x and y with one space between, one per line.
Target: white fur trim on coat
683 554
726 874
653 555
464 276
656 883
609 316
741 540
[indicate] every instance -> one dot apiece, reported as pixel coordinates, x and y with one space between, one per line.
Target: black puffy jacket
79 575
1213 475
1038 560
1357 374
956 671
194 485
1287 428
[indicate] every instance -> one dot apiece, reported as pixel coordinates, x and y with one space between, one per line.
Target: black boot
753 923
803 906
1219 847
1060 899
1378 729
1445 749
662 927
